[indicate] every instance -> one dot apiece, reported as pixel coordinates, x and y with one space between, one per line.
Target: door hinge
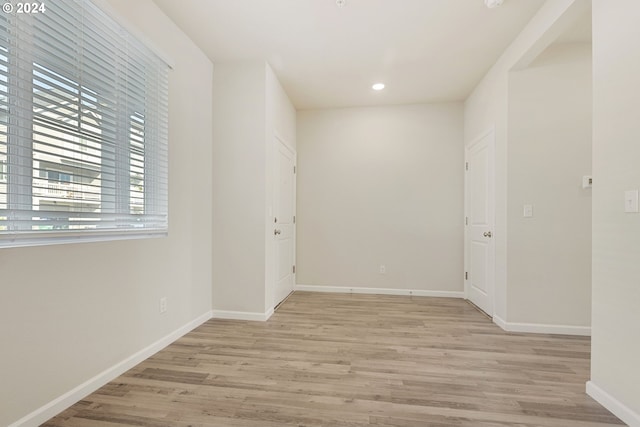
466 220
466 166
294 169
275 219
294 219
466 275
294 269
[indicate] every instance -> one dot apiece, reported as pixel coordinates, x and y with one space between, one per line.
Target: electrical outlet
383 269
163 305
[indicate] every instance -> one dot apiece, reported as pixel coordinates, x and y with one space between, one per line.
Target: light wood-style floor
353 360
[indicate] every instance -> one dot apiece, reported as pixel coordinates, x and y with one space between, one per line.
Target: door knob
487 234
276 232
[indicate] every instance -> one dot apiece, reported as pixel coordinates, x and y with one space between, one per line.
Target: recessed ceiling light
493 3
341 3
378 86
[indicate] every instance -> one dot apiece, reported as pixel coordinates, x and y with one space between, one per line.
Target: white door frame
278 142
467 204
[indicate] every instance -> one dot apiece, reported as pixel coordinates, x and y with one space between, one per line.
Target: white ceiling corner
329 56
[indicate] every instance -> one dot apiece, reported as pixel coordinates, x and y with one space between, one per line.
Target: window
83 129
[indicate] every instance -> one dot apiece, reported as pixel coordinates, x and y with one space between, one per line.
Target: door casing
474 264
285 221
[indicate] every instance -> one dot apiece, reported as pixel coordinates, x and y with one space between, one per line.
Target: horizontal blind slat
84 143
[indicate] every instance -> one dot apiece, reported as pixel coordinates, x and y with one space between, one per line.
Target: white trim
73 396
277 141
63 238
616 407
486 132
284 141
490 131
243 315
500 322
539 328
535 328
379 291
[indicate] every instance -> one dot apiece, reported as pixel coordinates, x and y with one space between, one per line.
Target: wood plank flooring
352 361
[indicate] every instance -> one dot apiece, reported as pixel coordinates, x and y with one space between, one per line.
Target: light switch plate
631 201
527 211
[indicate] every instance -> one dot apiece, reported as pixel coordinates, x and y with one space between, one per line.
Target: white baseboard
53 408
500 322
538 328
243 315
616 407
379 291
534 328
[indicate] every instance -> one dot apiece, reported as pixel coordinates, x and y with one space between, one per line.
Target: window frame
19 173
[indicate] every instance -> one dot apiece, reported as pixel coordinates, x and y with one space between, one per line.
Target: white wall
615 372
549 133
281 113
487 107
379 186
250 107
239 197
68 312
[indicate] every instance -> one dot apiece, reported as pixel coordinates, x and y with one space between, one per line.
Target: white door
284 221
480 224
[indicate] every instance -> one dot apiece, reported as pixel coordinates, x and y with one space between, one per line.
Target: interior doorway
480 222
284 221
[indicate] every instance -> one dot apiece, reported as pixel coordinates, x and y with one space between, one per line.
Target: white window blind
83 128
